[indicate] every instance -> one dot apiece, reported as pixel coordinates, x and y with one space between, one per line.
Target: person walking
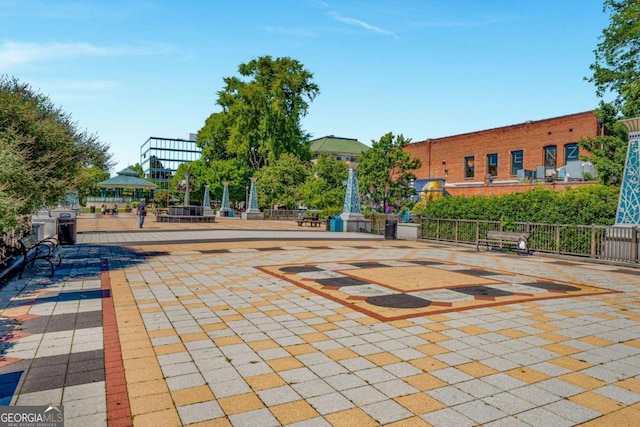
142 211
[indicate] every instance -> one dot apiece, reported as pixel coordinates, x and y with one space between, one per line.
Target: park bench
110 210
313 221
501 238
33 249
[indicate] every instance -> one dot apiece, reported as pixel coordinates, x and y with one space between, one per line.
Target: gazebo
125 187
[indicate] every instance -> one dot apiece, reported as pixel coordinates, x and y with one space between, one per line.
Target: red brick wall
445 157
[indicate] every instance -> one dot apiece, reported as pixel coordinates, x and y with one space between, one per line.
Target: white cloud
63 90
319 3
361 24
14 53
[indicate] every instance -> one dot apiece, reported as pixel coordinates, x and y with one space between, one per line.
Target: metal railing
613 243
285 214
98 199
9 245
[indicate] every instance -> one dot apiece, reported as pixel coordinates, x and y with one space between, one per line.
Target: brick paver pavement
265 323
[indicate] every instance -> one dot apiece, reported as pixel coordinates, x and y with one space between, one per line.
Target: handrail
613 243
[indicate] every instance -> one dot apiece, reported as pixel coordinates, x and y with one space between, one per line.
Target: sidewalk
221 324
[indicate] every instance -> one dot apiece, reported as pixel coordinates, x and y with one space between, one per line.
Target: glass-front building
160 157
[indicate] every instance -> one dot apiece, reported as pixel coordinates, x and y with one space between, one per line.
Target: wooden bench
500 238
313 221
34 249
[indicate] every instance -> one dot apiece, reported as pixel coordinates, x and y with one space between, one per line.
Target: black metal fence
283 214
613 243
9 245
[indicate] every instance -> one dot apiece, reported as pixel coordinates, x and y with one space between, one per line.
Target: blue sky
128 70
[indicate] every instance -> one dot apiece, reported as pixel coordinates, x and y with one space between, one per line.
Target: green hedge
595 204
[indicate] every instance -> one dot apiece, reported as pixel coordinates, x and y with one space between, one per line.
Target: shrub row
594 204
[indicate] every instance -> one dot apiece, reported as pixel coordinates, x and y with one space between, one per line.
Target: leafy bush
595 204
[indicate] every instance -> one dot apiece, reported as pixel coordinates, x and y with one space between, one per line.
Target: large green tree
43 147
278 183
87 181
261 113
324 188
616 74
214 174
607 151
138 168
214 136
385 173
19 180
616 69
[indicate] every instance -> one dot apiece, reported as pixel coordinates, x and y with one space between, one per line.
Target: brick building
507 159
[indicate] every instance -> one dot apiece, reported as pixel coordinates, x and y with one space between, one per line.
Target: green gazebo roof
334 144
127 178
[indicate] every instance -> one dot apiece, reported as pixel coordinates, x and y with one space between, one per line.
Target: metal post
457 229
634 244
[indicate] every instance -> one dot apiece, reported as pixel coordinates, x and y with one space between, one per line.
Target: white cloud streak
14 53
362 24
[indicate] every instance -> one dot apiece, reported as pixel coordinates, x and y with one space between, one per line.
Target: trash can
336 223
390 228
328 220
92 209
67 229
339 223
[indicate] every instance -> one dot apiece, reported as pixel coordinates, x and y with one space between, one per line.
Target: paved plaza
264 323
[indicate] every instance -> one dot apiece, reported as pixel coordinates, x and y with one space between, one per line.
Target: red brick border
118 408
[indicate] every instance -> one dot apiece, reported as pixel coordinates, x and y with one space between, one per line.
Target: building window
492 164
571 152
550 156
469 166
517 161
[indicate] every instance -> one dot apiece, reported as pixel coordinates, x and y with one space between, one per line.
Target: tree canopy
138 168
324 188
261 113
214 174
608 151
616 72
278 182
44 155
616 69
385 173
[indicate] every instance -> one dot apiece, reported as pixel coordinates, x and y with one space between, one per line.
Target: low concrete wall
356 225
408 231
48 225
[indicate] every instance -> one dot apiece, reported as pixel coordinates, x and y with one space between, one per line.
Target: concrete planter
408 231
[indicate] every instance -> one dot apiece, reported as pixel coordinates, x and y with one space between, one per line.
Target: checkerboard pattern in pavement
393 290
207 337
